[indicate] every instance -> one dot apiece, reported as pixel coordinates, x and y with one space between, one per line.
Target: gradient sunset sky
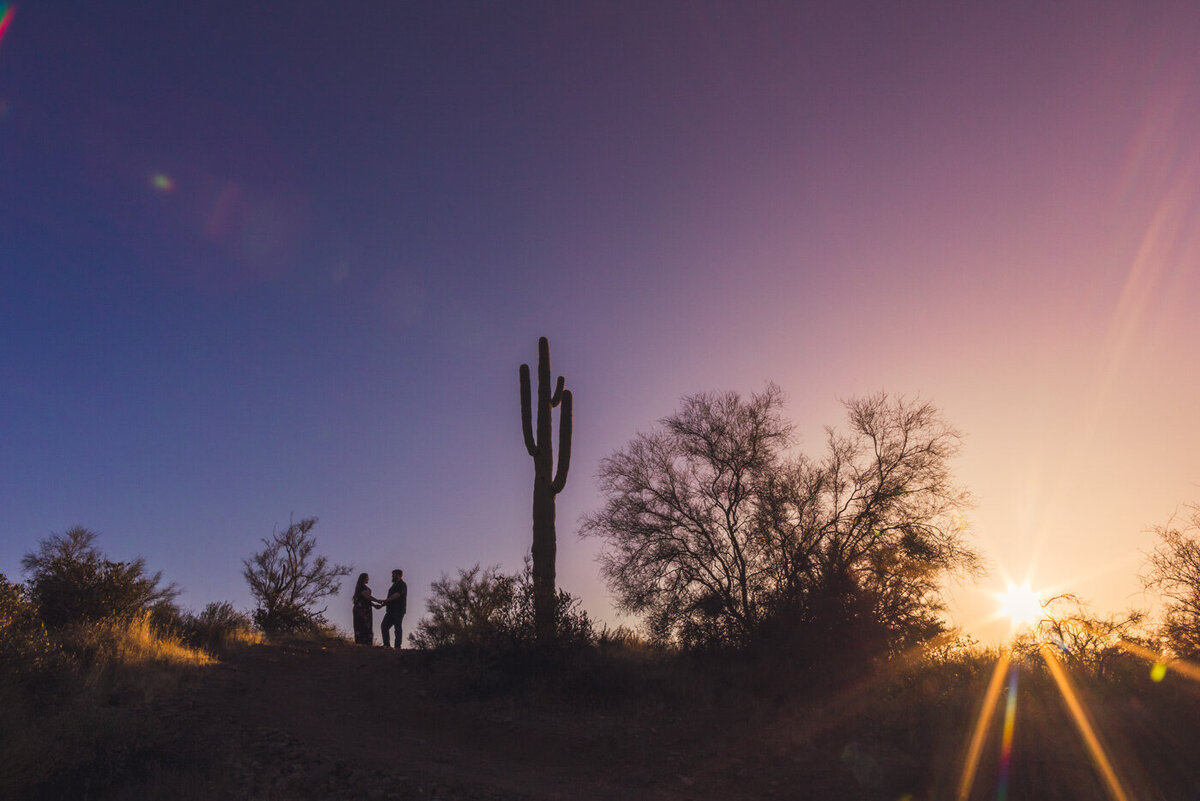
274 259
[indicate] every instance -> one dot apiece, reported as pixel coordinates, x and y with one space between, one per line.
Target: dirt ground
328 720
333 720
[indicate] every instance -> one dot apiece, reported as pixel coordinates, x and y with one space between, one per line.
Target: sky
261 262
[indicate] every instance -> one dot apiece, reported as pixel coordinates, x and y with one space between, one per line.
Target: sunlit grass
132 641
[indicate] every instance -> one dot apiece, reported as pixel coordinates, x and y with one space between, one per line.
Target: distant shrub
71 580
1088 643
623 638
486 608
218 627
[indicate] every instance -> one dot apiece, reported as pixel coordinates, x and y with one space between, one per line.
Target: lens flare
1082 722
986 710
162 182
1010 720
6 16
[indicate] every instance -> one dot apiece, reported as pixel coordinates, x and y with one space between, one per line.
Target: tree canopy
1174 570
718 533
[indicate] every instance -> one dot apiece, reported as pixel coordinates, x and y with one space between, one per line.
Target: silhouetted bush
71 580
32 665
220 626
485 608
288 581
215 628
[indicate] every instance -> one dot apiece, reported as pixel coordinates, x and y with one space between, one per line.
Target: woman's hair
362 582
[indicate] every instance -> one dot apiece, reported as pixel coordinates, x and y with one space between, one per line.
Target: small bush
220 627
484 608
470 610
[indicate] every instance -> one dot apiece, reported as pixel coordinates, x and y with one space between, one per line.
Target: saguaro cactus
547 482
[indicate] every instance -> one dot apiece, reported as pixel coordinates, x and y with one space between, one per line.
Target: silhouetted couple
396 603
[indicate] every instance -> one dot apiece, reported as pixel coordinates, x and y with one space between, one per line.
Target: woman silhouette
364 602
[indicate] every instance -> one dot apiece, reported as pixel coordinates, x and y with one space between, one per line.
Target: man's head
397 575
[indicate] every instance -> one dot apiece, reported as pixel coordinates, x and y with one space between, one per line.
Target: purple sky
286 259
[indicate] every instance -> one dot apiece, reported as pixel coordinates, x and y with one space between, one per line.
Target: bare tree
1086 641
713 529
1173 568
288 581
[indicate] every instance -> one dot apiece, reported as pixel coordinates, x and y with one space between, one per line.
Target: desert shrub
622 638
288 579
483 607
32 666
71 580
471 609
71 697
218 627
572 626
1087 643
289 620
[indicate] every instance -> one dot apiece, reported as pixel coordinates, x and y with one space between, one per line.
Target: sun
1021 605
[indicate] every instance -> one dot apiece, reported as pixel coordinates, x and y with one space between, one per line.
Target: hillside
328 720
331 720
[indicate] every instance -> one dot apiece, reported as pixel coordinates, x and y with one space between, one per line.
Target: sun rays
1018 600
982 721
1083 723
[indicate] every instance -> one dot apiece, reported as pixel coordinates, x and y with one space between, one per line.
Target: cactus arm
564 443
527 411
543 442
543 370
558 391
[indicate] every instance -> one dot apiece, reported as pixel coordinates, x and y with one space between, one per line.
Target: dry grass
91 726
131 642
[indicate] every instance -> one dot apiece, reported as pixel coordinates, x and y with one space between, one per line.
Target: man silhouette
397 604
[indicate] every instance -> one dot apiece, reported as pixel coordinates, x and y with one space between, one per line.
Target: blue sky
286 260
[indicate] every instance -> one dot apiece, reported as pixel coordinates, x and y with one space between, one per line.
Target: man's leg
384 630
